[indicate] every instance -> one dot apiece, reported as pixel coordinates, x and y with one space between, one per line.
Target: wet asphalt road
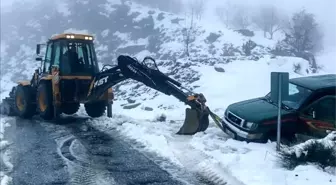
72 152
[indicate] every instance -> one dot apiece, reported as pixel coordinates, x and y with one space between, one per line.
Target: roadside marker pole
279 93
279 113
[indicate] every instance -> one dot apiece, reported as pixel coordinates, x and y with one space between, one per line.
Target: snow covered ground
5 165
212 153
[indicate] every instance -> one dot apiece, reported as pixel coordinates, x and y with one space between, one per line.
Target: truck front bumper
238 134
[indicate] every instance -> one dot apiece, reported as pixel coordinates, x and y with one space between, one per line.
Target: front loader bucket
6 107
194 122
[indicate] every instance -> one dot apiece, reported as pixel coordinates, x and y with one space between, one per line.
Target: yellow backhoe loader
69 76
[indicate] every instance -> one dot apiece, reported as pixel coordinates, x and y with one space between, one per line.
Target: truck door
319 117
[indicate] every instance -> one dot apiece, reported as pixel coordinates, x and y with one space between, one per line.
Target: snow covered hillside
218 67
133 29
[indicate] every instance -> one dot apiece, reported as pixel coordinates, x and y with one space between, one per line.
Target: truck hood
256 110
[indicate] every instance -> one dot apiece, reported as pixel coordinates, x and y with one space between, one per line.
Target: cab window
78 58
47 61
57 54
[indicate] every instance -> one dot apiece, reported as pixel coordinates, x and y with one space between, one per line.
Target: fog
324 11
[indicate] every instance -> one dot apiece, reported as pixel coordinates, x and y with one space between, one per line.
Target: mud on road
73 152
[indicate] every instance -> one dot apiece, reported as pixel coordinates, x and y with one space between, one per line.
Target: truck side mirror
38 49
38 58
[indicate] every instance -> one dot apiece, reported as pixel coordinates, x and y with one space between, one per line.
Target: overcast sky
325 11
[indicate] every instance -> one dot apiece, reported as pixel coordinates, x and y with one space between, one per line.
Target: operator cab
73 54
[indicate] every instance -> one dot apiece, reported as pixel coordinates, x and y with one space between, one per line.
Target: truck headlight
251 125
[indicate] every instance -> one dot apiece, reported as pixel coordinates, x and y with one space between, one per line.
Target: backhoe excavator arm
130 68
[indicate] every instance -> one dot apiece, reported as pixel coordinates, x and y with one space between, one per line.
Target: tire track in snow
94 158
81 171
183 160
208 170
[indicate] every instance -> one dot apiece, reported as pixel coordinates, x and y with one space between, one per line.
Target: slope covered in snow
217 67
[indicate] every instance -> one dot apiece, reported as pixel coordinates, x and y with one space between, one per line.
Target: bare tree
189 33
303 33
241 19
197 7
269 20
224 13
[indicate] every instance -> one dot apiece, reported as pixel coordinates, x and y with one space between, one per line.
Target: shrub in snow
310 58
161 118
229 50
282 49
321 152
248 46
297 68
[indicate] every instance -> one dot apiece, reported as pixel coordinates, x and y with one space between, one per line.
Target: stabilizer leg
109 110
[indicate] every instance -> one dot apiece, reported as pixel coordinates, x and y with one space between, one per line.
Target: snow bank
213 155
5 164
321 152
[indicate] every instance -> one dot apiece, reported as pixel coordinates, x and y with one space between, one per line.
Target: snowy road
34 155
75 153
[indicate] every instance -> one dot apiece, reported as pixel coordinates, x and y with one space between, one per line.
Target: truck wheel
45 101
70 108
24 105
95 109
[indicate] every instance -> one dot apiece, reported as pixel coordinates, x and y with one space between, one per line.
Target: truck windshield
296 96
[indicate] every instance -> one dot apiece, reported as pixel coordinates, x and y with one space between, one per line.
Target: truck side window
325 109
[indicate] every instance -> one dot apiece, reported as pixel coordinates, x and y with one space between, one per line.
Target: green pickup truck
309 110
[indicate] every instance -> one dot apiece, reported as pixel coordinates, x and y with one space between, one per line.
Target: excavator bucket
194 122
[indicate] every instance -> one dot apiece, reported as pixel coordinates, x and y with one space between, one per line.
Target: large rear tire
70 108
96 109
24 105
44 100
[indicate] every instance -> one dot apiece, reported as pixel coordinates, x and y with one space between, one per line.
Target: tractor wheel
24 105
44 99
95 109
70 108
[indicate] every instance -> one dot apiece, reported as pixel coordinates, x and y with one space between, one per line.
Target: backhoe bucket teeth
194 122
